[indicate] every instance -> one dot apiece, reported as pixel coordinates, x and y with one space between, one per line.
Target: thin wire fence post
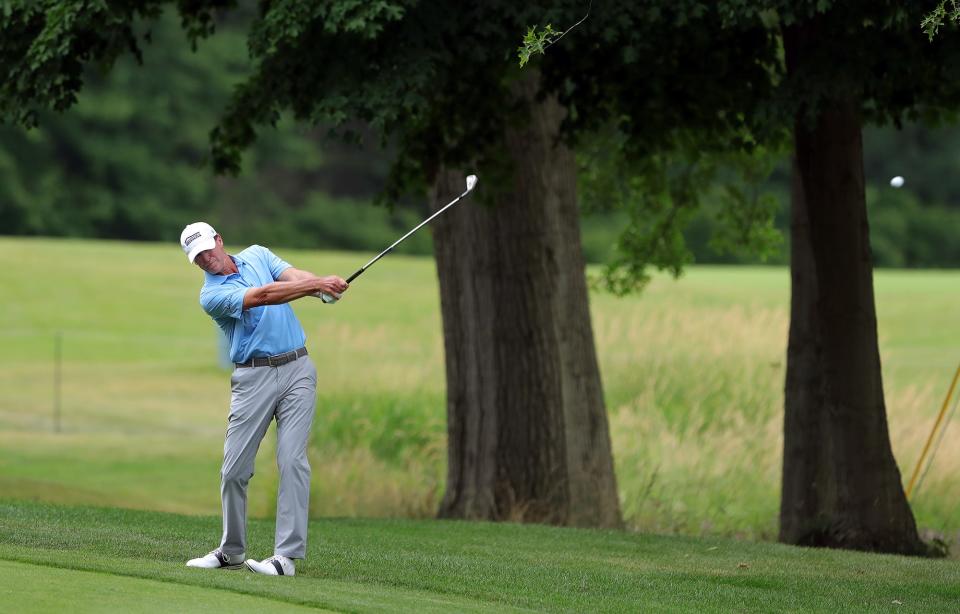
57 377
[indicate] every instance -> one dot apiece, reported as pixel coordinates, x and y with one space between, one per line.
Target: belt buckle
272 363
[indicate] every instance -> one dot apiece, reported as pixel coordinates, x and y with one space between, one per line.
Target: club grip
355 275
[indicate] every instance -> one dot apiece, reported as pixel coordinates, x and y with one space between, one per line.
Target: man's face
214 261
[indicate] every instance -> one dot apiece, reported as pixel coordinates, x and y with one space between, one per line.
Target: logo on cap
192 238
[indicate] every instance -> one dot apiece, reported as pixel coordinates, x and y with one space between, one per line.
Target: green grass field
84 559
692 369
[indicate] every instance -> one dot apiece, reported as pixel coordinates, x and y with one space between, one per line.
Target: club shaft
400 240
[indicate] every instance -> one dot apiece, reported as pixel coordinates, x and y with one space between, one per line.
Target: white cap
197 237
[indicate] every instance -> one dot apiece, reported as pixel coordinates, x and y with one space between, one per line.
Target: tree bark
527 425
841 484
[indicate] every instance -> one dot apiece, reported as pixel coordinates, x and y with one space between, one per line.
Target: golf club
471 182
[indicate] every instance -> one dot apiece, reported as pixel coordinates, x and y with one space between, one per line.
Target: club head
471 181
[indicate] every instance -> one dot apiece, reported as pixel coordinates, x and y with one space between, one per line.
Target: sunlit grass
692 369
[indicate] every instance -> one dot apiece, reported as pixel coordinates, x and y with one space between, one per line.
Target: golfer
247 296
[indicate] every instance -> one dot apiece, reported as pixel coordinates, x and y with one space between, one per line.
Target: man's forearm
280 292
294 274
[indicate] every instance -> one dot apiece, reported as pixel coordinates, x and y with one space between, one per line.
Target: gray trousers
258 394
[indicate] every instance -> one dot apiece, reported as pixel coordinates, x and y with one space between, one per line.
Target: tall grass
693 374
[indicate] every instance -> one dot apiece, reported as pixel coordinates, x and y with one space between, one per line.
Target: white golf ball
897 181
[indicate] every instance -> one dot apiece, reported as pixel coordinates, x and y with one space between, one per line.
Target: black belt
273 361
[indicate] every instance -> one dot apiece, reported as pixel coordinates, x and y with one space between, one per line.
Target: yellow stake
926 448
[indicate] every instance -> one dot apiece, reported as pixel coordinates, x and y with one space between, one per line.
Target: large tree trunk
841 484
527 426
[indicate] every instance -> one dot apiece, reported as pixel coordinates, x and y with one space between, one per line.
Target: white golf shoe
277 565
217 560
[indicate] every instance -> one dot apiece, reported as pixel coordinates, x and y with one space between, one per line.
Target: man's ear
219 240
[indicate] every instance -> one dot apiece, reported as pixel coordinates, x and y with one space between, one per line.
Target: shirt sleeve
225 300
275 264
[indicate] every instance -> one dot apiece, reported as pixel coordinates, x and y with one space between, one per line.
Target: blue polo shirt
256 332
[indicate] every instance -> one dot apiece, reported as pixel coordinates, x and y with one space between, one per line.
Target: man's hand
333 285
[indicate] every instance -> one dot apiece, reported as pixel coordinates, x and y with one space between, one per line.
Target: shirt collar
212 279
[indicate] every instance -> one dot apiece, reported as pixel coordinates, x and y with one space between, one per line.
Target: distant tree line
129 162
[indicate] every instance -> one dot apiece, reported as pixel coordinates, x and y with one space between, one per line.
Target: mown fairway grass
425 566
693 375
